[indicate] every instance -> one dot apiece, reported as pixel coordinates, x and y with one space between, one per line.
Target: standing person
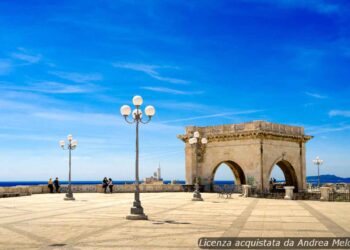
105 184
50 185
57 185
110 185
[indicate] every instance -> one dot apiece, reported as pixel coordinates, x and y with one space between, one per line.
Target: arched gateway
250 149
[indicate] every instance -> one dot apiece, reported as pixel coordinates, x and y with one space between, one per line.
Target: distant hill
327 178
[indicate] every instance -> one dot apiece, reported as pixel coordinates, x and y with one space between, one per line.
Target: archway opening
227 173
224 175
282 174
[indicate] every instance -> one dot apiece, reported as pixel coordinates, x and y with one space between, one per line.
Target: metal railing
227 190
340 195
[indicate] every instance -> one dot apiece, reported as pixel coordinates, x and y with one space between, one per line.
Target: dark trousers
111 188
57 189
51 188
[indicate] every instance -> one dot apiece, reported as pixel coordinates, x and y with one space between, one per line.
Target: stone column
289 192
246 190
324 193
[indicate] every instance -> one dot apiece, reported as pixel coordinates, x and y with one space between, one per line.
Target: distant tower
158 171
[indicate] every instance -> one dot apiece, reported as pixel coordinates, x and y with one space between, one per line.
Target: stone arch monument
250 150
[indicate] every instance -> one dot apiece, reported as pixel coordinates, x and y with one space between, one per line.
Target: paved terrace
96 221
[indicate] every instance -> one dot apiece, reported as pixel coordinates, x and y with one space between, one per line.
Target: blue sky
67 67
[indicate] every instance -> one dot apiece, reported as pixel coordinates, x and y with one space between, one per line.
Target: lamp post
318 162
71 145
198 144
136 211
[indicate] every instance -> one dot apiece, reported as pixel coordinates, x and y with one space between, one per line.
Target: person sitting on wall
50 185
110 185
105 184
57 185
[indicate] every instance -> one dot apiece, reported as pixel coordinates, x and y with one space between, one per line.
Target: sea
35 183
310 179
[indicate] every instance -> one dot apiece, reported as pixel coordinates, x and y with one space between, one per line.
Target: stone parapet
127 188
248 130
15 191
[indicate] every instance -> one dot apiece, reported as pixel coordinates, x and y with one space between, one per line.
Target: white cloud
150 70
190 106
171 91
213 116
99 119
52 88
315 95
77 77
31 59
84 118
61 88
345 113
320 6
5 67
326 129
28 137
14 105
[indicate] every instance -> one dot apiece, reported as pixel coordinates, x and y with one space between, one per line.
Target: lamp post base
69 197
197 196
136 212
137 217
197 199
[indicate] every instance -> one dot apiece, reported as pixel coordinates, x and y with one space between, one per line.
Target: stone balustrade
127 188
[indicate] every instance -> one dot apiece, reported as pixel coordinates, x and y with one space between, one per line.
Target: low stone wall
20 190
127 188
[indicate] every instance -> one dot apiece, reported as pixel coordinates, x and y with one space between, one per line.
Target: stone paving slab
97 221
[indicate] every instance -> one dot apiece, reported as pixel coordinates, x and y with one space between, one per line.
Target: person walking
105 184
57 185
110 185
50 185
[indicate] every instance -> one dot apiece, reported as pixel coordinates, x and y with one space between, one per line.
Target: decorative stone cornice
249 130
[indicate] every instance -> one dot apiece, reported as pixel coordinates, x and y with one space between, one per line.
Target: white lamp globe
196 134
150 110
204 140
192 141
62 143
74 143
136 111
125 110
70 137
137 100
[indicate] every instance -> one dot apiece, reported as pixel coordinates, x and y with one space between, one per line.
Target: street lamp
71 145
136 211
318 162
198 144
